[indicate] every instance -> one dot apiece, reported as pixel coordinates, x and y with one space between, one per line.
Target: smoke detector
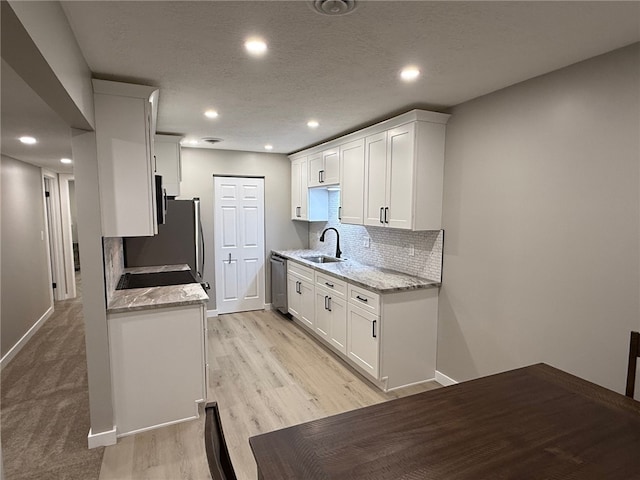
211 140
334 7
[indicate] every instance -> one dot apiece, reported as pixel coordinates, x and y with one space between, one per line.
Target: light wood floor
265 374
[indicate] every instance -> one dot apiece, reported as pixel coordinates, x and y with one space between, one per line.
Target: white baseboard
212 313
25 338
442 379
102 439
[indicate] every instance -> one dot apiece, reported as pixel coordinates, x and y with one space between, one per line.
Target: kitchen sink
323 259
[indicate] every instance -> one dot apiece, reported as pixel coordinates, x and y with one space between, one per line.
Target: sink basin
323 259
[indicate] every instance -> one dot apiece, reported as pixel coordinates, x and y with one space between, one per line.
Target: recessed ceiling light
312 124
66 160
268 147
211 114
190 141
256 46
28 140
409 74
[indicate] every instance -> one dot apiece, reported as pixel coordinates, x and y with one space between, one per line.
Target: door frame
264 239
60 251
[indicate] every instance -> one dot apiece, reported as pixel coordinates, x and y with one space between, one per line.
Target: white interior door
239 243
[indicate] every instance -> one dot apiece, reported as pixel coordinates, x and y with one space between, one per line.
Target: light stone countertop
381 280
156 297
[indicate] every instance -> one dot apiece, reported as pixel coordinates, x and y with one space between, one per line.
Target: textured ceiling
342 71
25 113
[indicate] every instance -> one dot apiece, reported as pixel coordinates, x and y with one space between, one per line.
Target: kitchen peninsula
157 341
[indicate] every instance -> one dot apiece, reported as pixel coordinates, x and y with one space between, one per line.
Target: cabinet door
125 167
294 301
352 182
167 153
323 315
338 321
331 167
307 307
400 172
299 195
316 166
362 339
375 175
300 297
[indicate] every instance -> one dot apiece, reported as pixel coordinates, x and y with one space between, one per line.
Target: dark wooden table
532 423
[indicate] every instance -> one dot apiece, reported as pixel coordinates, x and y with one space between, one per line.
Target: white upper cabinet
125 123
375 179
389 178
299 189
324 168
404 176
310 204
169 162
390 174
352 182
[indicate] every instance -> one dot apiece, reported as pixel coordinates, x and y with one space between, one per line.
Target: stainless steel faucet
338 251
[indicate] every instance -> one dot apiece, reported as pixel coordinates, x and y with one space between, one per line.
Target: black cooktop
157 279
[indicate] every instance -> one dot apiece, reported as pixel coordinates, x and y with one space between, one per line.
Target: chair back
634 353
217 453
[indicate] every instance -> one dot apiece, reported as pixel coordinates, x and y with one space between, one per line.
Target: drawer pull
329 284
362 299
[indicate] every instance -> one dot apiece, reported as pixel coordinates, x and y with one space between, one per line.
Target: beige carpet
45 404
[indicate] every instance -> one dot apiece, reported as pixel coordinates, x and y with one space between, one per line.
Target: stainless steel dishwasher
279 283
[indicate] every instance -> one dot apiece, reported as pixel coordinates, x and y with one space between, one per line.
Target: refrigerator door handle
199 237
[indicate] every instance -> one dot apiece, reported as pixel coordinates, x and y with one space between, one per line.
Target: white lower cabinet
390 338
300 293
362 339
331 318
158 359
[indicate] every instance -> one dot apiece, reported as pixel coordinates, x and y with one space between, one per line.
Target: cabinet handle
381 212
319 176
386 213
229 258
325 303
339 213
373 328
299 287
155 164
362 299
329 284
297 211
329 303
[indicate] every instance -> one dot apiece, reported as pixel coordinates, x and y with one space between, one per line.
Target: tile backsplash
387 247
113 263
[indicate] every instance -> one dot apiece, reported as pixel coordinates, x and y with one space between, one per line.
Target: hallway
45 404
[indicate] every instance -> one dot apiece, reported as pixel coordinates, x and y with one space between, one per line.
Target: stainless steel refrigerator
179 240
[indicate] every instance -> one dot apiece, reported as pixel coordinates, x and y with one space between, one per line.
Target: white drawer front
299 270
365 299
334 285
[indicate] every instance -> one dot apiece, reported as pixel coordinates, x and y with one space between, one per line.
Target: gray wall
541 219
198 168
26 293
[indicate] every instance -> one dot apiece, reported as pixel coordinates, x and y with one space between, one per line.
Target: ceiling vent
334 7
211 140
